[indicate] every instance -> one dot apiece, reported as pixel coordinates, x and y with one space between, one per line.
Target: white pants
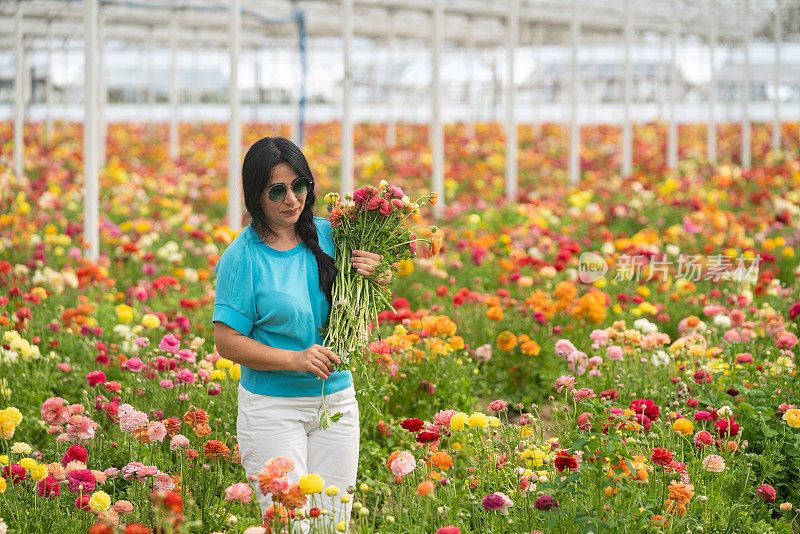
289 426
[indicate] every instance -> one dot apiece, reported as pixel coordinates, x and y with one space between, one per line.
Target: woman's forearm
250 353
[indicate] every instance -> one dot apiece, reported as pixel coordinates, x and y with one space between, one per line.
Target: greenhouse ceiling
467 22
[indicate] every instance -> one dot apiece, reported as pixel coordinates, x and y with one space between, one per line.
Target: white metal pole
102 91
91 223
48 88
627 128
712 96
151 89
512 39
346 178
19 95
196 84
746 150
776 120
234 122
436 132
574 135
173 87
672 134
472 116
536 123
391 124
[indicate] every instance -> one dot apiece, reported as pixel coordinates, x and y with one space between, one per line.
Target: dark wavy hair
257 168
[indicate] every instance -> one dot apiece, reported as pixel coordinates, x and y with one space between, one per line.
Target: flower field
506 391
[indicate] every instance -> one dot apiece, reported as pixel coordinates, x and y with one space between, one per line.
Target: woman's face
286 212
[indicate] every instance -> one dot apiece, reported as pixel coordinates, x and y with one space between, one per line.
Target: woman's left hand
365 263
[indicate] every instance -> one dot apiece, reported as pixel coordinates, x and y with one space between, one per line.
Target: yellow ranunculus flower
2 485
684 426
478 419
124 313
38 472
27 463
235 372
21 448
217 374
792 417
312 483
4 459
224 363
99 502
14 414
494 422
458 421
151 321
341 526
330 491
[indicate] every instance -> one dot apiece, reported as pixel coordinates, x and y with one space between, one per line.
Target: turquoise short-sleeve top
273 296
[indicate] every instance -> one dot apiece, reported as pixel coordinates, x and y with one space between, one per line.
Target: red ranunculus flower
413 424
661 457
647 407
727 428
565 461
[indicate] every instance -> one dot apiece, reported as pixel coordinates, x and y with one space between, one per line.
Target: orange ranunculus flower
425 487
202 430
391 458
680 493
531 348
565 290
506 340
442 460
495 313
672 507
195 416
214 448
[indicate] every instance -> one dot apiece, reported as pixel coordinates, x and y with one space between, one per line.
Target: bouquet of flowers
372 219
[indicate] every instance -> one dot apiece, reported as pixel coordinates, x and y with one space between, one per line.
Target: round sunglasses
300 186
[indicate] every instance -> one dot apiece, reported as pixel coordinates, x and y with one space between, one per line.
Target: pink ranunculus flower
163 482
786 340
443 417
166 384
239 491
714 463
614 353
564 381
497 501
80 427
186 376
187 355
498 405
80 481
583 394
123 507
564 348
54 412
132 421
403 464
134 364
142 341
95 377
130 470
483 353
169 343
178 442
156 431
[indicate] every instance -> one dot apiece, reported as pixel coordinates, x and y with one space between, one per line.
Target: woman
273 293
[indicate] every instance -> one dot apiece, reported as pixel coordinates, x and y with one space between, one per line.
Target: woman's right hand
316 359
